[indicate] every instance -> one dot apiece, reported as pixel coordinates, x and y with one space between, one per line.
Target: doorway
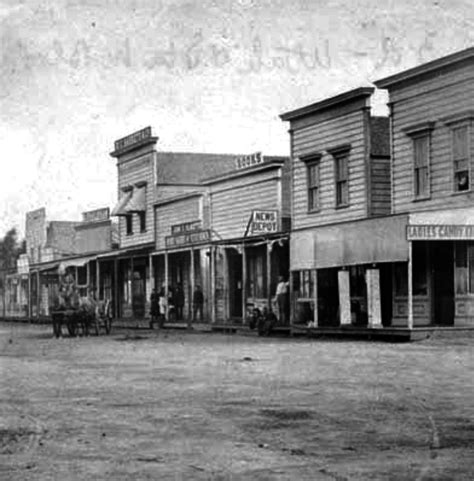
442 263
235 283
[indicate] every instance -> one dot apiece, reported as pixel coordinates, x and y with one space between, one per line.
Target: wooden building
250 222
226 233
432 113
343 239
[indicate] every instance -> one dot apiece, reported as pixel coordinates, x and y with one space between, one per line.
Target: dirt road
178 406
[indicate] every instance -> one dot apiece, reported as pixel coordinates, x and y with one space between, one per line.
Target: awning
77 262
365 241
138 201
119 208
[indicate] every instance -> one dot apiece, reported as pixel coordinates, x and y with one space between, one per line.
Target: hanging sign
186 227
263 222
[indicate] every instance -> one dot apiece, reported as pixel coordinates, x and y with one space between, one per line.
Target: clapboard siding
380 193
435 85
232 202
421 103
176 212
131 172
317 139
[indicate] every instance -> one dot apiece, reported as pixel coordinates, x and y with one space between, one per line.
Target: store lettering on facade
440 232
96 215
133 138
187 233
249 160
186 227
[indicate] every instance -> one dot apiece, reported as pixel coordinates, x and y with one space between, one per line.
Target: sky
206 75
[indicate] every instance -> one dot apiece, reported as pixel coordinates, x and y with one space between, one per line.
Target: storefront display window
464 272
257 277
304 284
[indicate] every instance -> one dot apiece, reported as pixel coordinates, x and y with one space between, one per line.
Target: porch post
269 275
213 265
244 283
29 296
410 285
373 298
314 273
76 275
225 294
116 289
191 288
152 278
97 273
344 297
88 273
38 294
166 286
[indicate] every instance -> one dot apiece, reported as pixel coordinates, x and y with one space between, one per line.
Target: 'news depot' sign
263 222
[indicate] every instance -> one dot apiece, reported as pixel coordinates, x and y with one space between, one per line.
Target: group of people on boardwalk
174 302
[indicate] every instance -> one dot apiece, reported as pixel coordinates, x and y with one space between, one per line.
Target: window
460 149
421 154
313 186
341 161
142 217
305 284
129 224
464 263
257 274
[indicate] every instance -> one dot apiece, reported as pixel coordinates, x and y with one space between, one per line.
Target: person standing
198 302
154 308
281 296
179 301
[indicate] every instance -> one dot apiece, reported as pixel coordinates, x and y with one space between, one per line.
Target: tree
10 250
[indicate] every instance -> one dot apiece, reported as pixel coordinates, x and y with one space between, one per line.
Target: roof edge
316 107
425 68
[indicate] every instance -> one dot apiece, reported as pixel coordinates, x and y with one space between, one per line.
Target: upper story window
421 166
129 224
142 219
312 181
341 174
421 141
461 160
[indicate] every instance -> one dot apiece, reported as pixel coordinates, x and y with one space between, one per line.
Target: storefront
183 256
342 273
438 288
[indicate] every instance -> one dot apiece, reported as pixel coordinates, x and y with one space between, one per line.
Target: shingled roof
192 168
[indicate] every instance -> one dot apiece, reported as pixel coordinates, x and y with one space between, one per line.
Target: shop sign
440 232
246 161
133 138
188 238
186 227
263 222
96 215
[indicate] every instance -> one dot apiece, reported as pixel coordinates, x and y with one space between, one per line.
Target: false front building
432 110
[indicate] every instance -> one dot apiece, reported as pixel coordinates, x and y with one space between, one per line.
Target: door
138 295
235 284
442 261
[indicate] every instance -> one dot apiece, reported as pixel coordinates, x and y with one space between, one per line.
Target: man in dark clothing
179 301
198 302
154 308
